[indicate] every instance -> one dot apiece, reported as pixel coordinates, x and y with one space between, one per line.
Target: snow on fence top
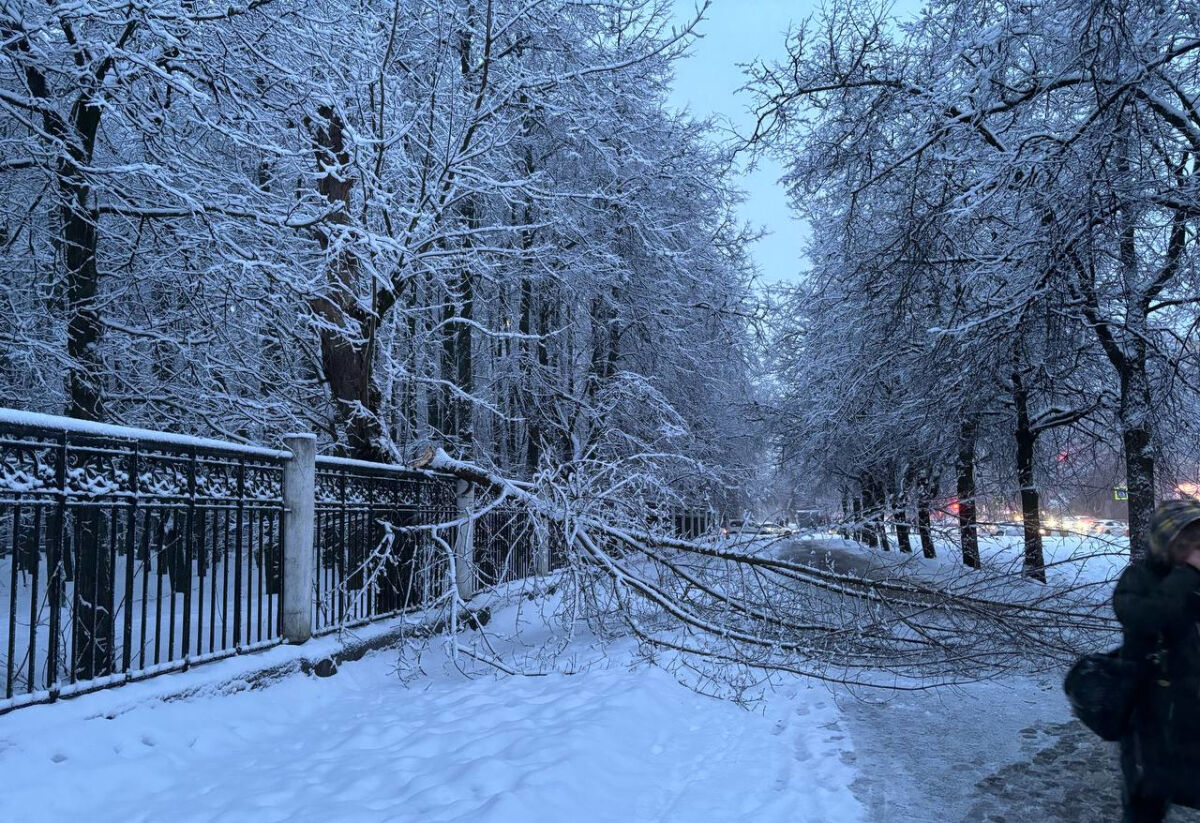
324 461
17 417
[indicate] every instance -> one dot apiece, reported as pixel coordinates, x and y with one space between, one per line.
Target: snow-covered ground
602 737
618 740
1086 565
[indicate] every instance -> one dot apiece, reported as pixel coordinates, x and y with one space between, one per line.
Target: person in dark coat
1157 601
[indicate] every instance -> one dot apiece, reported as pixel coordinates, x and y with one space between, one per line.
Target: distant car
1006 529
1071 525
742 527
1110 528
775 529
809 520
754 528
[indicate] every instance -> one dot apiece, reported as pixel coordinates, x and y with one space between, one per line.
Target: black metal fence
506 546
376 553
691 524
125 555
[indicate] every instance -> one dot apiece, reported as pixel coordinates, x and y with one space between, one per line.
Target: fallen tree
727 617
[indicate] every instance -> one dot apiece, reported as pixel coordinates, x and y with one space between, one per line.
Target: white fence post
464 542
299 487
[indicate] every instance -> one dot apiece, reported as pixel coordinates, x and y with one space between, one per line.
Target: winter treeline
1005 210
472 222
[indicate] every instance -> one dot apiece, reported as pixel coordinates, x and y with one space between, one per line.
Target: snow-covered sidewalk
614 743
616 740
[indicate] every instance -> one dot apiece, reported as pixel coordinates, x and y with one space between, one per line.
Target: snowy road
1003 752
829 555
951 756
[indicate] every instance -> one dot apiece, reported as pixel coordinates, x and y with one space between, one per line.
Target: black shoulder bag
1103 689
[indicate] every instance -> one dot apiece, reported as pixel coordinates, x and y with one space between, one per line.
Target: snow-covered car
744 528
1110 528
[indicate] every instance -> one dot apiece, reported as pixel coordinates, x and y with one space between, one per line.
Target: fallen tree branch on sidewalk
741 615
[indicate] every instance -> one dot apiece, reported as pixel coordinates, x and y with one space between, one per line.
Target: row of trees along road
477 223
1005 206
473 222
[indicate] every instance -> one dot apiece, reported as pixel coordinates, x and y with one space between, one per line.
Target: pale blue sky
737 32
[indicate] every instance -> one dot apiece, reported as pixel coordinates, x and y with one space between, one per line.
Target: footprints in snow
1067 774
808 746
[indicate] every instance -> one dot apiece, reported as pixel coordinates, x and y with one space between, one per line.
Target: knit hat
1168 520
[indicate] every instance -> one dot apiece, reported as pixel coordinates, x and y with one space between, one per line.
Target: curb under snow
230 675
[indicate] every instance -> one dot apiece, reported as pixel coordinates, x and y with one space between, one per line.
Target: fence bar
237 554
464 542
35 562
12 604
130 561
189 550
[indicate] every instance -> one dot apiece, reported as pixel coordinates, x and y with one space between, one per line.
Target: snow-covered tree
473 222
1037 159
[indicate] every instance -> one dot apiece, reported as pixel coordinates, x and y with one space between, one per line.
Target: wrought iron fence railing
384 536
506 547
374 543
126 553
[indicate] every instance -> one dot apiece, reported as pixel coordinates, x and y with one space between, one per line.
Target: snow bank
1078 561
618 741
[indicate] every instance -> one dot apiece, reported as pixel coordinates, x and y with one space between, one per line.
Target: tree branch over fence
718 605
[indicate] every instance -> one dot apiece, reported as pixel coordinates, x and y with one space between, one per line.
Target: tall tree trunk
881 514
925 494
347 368
83 318
1138 438
93 622
1026 440
411 395
1135 403
925 530
531 353
605 340
869 534
846 514
73 141
464 364
903 539
965 471
857 520
93 617
348 335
